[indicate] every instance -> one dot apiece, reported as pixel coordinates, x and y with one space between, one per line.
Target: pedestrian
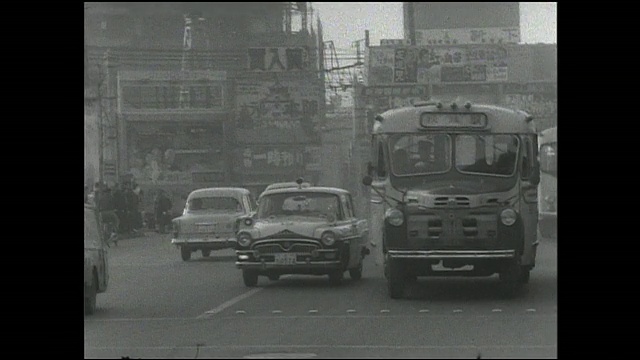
162 209
120 207
132 208
108 217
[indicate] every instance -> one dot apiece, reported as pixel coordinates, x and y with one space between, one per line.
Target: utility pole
186 52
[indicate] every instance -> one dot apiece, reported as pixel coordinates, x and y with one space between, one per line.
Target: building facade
210 94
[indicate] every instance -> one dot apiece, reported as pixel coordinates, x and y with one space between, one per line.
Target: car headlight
328 238
394 216
248 221
244 240
508 217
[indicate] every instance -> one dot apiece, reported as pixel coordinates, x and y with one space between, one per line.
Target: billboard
278 102
437 64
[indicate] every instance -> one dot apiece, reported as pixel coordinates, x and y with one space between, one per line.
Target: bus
454 192
548 193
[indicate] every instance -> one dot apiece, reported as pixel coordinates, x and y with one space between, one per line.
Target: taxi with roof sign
302 230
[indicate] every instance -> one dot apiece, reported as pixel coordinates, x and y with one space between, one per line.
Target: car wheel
335 277
250 278
356 273
274 277
396 279
90 297
186 253
206 253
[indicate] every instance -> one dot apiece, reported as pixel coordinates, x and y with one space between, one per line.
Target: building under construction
206 94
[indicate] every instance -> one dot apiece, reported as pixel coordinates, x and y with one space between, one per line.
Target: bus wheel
356 273
396 279
511 277
525 273
206 253
185 252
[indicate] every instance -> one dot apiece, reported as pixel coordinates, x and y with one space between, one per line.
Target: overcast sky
346 22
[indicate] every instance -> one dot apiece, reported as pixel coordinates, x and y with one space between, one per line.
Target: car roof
219 191
313 189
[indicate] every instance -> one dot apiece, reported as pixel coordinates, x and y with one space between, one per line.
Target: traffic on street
161 306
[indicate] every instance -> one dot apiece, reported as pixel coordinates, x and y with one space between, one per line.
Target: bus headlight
508 217
328 238
394 216
244 240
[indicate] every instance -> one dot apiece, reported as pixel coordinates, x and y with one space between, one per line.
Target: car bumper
249 259
452 254
204 242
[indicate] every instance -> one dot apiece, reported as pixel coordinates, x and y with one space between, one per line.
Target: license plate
205 228
285 259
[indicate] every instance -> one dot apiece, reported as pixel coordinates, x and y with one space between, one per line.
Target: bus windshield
423 154
414 154
487 154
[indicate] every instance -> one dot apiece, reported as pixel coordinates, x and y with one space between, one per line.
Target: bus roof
548 135
407 119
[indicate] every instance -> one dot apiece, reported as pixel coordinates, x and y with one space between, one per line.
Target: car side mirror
367 180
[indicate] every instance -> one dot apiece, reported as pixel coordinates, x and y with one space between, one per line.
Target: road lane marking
384 311
457 310
240 312
531 310
276 312
313 311
542 317
424 311
496 310
351 311
230 303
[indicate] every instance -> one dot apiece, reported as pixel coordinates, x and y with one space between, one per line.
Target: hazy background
346 22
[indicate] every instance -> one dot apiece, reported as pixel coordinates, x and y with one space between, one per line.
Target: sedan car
209 220
303 230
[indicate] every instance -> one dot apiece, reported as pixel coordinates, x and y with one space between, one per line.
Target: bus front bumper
452 254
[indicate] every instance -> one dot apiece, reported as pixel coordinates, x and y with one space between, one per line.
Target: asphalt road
159 306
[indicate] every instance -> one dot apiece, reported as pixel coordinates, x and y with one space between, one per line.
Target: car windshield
214 204
311 204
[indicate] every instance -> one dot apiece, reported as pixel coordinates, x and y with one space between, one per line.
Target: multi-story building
211 94
463 50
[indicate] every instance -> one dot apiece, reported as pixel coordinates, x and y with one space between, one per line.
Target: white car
302 230
209 220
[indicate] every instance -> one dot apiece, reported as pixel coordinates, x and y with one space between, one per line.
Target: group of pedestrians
119 207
